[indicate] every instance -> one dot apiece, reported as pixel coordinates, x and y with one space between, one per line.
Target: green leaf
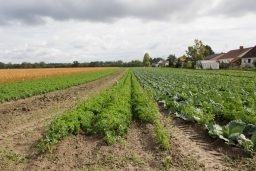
253 139
235 126
215 130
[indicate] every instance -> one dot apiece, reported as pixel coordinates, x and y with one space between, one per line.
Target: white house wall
245 62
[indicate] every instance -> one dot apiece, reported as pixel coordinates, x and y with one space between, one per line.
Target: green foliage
145 110
143 106
253 139
224 65
233 127
108 114
135 63
75 64
161 136
146 60
23 89
189 64
68 123
172 60
202 96
199 51
113 121
254 63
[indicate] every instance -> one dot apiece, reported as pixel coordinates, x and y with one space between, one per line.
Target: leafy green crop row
145 110
90 117
203 97
23 89
207 98
108 115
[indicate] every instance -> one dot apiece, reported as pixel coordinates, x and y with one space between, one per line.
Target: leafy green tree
181 61
172 60
199 51
75 64
135 63
146 60
2 65
189 64
208 51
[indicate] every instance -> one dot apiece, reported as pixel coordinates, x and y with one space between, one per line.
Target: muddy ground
23 122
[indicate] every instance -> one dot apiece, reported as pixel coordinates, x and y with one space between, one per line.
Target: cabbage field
223 101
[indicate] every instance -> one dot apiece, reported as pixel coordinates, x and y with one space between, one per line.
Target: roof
207 61
218 57
251 53
235 54
212 56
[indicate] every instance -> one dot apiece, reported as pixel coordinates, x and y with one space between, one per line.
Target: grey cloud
234 8
34 12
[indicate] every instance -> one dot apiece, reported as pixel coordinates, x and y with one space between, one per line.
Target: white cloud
159 27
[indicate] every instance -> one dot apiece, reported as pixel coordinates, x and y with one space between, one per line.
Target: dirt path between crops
192 140
16 116
137 151
23 121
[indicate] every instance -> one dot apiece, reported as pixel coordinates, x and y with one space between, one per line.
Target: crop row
108 115
145 110
28 88
208 99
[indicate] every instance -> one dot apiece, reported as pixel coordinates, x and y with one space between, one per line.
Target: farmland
109 114
128 119
11 75
21 89
224 103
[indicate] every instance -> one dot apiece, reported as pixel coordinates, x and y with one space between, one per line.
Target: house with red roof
242 57
234 56
249 59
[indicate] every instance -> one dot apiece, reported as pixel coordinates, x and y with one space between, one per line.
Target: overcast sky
90 30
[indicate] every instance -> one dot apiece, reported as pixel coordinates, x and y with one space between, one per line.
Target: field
130 119
224 103
11 75
21 89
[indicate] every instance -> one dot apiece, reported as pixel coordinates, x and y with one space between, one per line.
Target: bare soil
22 122
137 151
211 154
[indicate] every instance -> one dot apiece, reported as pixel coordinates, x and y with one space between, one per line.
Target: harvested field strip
11 75
23 89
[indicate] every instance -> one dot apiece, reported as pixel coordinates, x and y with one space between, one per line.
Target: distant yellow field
10 75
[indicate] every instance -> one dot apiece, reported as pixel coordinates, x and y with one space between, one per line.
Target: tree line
134 63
